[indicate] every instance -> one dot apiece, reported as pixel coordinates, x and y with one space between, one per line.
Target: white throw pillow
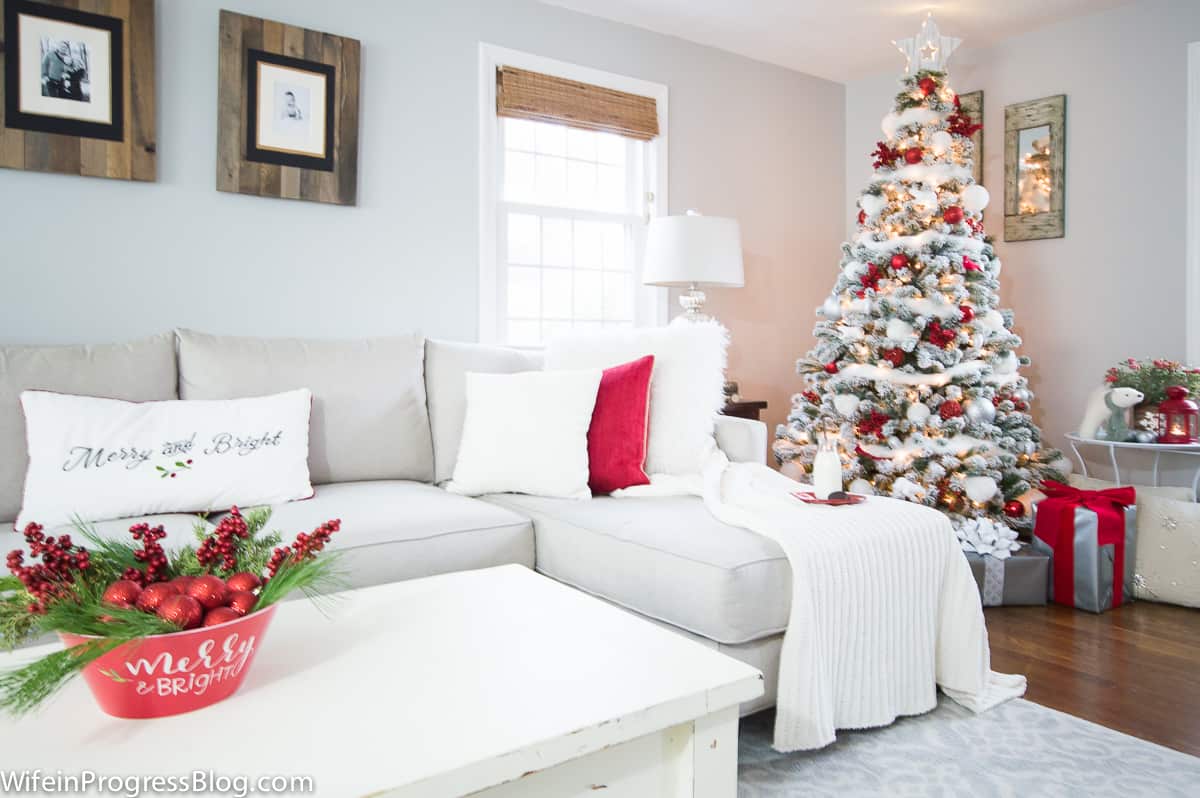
686 392
526 433
98 459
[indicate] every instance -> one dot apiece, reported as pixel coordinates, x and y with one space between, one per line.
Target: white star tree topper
929 49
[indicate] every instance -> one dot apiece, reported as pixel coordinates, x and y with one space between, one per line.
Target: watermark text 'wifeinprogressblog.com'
197 782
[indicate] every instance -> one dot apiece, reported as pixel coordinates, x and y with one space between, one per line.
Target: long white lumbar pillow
97 459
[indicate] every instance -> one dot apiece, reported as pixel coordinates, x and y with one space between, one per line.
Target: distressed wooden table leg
714 755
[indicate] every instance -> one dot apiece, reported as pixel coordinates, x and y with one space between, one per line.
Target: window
563 211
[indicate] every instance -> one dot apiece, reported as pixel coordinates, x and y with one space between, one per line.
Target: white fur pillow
686 392
527 433
98 459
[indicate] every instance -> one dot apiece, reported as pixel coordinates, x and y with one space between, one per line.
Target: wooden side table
750 410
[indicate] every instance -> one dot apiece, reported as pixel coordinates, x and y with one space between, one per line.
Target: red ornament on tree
183 611
939 335
894 356
928 86
969 265
831 367
951 408
1014 509
862 217
899 262
913 155
210 591
812 396
243 581
968 314
152 596
122 593
242 601
952 214
885 156
220 615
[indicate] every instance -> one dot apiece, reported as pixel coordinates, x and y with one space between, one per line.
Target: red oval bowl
175 673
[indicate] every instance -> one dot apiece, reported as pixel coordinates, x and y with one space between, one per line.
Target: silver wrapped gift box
1088 577
1021 578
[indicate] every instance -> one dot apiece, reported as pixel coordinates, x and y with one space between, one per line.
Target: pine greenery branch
24 689
316 578
17 623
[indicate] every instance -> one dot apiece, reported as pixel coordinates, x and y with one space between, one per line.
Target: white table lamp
692 251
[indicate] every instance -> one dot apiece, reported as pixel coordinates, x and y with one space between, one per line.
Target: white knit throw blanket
884 607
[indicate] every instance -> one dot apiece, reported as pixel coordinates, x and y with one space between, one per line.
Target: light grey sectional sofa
386 425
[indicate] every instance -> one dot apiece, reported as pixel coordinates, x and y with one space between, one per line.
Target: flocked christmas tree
915 367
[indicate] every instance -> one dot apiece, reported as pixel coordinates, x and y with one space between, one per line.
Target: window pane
588 245
518 177
556 242
581 184
616 296
524 292
551 180
610 148
518 134
553 328
611 189
551 139
556 294
524 333
523 238
614 247
589 300
581 144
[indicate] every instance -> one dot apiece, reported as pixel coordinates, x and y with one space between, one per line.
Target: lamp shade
693 249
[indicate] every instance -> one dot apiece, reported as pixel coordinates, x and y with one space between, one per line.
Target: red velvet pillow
620 427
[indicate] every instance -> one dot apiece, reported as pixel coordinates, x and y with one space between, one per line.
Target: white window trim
1192 279
653 302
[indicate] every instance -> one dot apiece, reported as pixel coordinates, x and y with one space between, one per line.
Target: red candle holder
1179 417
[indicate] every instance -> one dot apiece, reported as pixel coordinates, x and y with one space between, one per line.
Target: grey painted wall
1112 288
99 260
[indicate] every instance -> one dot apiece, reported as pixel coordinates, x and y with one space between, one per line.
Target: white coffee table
498 682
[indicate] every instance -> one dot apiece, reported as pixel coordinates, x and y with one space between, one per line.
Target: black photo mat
273 156
14 117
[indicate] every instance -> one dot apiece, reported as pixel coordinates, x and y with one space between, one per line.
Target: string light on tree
912 347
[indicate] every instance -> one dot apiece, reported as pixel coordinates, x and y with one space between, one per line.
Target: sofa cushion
368 420
446 367
667 558
138 371
393 530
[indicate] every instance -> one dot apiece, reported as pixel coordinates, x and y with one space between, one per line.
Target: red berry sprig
222 543
884 155
151 553
61 560
940 336
305 546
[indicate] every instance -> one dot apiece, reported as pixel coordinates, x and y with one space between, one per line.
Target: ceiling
836 39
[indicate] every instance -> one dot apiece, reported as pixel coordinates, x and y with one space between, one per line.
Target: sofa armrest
742 440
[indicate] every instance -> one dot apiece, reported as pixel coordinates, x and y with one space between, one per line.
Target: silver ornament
832 309
979 411
1022 394
1144 436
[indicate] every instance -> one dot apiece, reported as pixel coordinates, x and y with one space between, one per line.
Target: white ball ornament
925 200
899 329
1008 363
862 487
918 413
974 198
940 142
979 411
980 489
846 404
872 204
832 308
992 320
852 333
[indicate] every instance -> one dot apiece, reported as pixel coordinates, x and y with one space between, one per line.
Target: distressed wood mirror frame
972 105
1022 224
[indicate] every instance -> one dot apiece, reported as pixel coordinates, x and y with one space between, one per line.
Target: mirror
1034 186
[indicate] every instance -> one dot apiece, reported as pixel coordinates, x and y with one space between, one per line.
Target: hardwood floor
1135 669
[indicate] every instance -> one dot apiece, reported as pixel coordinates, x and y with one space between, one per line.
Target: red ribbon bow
1056 527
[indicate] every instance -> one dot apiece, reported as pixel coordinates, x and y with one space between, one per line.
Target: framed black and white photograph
63 71
289 110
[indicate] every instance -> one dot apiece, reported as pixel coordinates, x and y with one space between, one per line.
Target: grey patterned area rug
1017 749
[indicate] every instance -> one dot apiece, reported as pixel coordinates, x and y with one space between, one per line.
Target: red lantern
1179 417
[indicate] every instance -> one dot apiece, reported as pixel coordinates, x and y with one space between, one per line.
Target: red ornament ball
183 611
1014 509
220 615
242 601
183 582
153 595
243 581
210 591
894 356
952 214
927 85
862 217
122 593
831 367
968 313
899 262
951 408
913 155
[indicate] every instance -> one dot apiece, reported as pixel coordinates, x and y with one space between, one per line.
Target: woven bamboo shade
521 94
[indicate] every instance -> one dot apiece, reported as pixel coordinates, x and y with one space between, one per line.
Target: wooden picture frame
287 112
77 87
971 104
1035 149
